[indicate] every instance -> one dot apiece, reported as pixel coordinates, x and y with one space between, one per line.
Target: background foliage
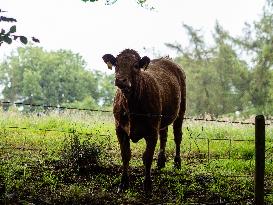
11 35
234 74
33 75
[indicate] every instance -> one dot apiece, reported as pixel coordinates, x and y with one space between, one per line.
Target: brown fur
157 98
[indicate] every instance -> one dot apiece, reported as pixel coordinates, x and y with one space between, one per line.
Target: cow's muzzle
123 84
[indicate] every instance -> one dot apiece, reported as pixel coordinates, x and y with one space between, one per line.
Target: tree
217 80
258 41
33 75
232 74
10 35
106 89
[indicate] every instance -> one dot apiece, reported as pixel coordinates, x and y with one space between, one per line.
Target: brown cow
150 96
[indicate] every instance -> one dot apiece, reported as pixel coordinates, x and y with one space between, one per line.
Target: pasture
73 157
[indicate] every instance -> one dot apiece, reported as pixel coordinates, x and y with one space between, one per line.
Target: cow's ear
110 60
144 62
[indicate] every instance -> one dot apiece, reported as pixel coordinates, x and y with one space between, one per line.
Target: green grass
74 158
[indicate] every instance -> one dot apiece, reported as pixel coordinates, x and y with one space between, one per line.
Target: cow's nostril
123 83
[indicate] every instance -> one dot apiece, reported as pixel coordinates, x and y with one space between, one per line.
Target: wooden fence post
259 159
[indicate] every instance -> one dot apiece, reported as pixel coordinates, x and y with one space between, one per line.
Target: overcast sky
93 29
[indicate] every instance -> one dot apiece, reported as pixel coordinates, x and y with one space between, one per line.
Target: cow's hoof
124 184
147 187
122 187
161 161
177 162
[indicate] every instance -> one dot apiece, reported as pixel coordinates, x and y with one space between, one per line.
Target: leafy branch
10 35
142 3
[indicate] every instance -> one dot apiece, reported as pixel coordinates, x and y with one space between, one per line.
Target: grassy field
74 158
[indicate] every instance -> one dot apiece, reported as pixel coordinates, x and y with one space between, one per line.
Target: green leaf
3 18
36 40
12 29
2 31
23 39
7 39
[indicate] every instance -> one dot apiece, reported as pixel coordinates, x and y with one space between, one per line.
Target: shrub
81 157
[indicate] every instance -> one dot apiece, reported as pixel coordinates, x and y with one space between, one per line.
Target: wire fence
54 130
205 156
6 104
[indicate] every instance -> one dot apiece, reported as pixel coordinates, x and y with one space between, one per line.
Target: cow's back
171 81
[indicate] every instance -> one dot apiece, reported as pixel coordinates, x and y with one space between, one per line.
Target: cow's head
127 66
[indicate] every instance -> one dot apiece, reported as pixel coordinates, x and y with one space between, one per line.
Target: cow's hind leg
161 155
177 129
124 143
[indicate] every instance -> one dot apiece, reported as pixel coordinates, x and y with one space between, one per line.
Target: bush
81 157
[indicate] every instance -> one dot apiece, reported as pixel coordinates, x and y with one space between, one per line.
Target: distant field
74 158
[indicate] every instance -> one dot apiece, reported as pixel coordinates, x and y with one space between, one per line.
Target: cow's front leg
124 143
147 160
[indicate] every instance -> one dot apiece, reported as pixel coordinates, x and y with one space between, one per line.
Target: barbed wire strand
136 114
55 130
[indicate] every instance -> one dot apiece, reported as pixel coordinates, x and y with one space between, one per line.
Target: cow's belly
167 120
169 114
137 130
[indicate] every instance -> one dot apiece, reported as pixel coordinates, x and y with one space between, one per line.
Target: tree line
33 75
234 74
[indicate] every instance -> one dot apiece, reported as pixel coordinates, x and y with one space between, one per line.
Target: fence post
259 159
